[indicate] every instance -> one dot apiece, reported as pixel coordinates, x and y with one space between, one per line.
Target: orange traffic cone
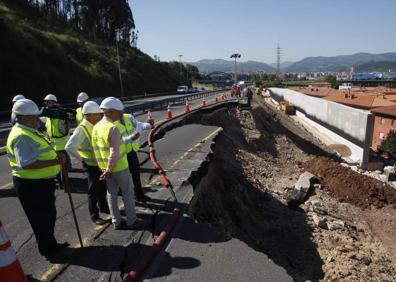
10 268
187 109
203 102
169 112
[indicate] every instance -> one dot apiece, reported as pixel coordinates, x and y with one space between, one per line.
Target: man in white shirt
80 147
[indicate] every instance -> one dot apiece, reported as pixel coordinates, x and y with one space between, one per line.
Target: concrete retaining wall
351 124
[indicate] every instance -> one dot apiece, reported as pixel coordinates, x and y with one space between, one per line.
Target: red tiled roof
389 110
360 101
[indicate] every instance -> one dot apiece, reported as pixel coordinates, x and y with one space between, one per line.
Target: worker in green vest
131 130
35 165
80 147
110 153
81 99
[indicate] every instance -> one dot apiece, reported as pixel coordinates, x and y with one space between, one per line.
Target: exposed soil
242 190
349 186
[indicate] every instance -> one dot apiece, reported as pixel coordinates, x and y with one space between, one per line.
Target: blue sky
213 29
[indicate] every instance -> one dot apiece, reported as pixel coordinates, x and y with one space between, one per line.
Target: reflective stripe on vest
45 153
101 147
58 138
85 150
79 115
126 128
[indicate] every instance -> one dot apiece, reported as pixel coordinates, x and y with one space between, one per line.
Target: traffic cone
10 268
203 102
169 112
187 109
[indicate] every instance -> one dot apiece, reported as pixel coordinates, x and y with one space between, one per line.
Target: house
384 121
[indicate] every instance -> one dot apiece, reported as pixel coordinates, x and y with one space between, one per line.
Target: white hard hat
82 97
18 97
91 107
50 97
26 107
112 103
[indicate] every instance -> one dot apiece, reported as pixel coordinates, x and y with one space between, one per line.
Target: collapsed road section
261 164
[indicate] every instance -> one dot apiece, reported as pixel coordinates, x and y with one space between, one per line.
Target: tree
333 80
389 143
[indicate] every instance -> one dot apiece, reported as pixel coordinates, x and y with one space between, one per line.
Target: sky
214 29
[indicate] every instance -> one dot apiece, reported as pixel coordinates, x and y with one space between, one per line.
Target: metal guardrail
158 104
7 114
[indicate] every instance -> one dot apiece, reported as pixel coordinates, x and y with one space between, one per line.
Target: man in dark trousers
35 165
80 147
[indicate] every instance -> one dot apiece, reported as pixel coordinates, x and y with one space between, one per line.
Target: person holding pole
35 165
80 147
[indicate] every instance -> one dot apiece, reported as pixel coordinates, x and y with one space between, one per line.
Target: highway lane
19 229
161 114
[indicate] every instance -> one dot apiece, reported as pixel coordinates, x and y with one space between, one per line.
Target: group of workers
106 141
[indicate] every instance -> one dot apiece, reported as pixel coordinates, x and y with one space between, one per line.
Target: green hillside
41 55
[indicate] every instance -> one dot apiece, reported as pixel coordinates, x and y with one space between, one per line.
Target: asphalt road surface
195 252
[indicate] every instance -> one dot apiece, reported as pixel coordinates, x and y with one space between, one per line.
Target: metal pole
66 182
235 71
181 71
119 66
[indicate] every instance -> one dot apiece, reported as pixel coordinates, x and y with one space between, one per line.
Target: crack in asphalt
24 243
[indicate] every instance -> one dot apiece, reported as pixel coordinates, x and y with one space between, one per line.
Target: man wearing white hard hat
16 98
57 124
35 164
110 153
81 99
80 147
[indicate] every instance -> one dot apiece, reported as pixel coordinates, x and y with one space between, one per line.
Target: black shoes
99 221
54 251
142 198
138 224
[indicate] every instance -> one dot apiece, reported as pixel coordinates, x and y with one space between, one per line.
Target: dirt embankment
349 186
242 190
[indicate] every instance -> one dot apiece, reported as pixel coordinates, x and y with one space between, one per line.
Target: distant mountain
337 63
380 66
209 66
283 65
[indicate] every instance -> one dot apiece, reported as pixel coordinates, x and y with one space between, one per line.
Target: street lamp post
235 56
181 72
118 62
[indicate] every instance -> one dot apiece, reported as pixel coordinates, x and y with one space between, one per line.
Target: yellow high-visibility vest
79 115
85 150
46 153
126 128
101 147
58 139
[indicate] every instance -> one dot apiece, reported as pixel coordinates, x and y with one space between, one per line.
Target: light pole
235 56
181 72
118 62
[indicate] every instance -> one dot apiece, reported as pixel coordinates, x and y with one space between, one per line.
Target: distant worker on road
110 153
80 147
16 98
249 95
131 130
81 99
35 165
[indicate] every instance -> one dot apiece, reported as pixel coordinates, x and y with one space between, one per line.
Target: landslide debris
243 190
349 186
